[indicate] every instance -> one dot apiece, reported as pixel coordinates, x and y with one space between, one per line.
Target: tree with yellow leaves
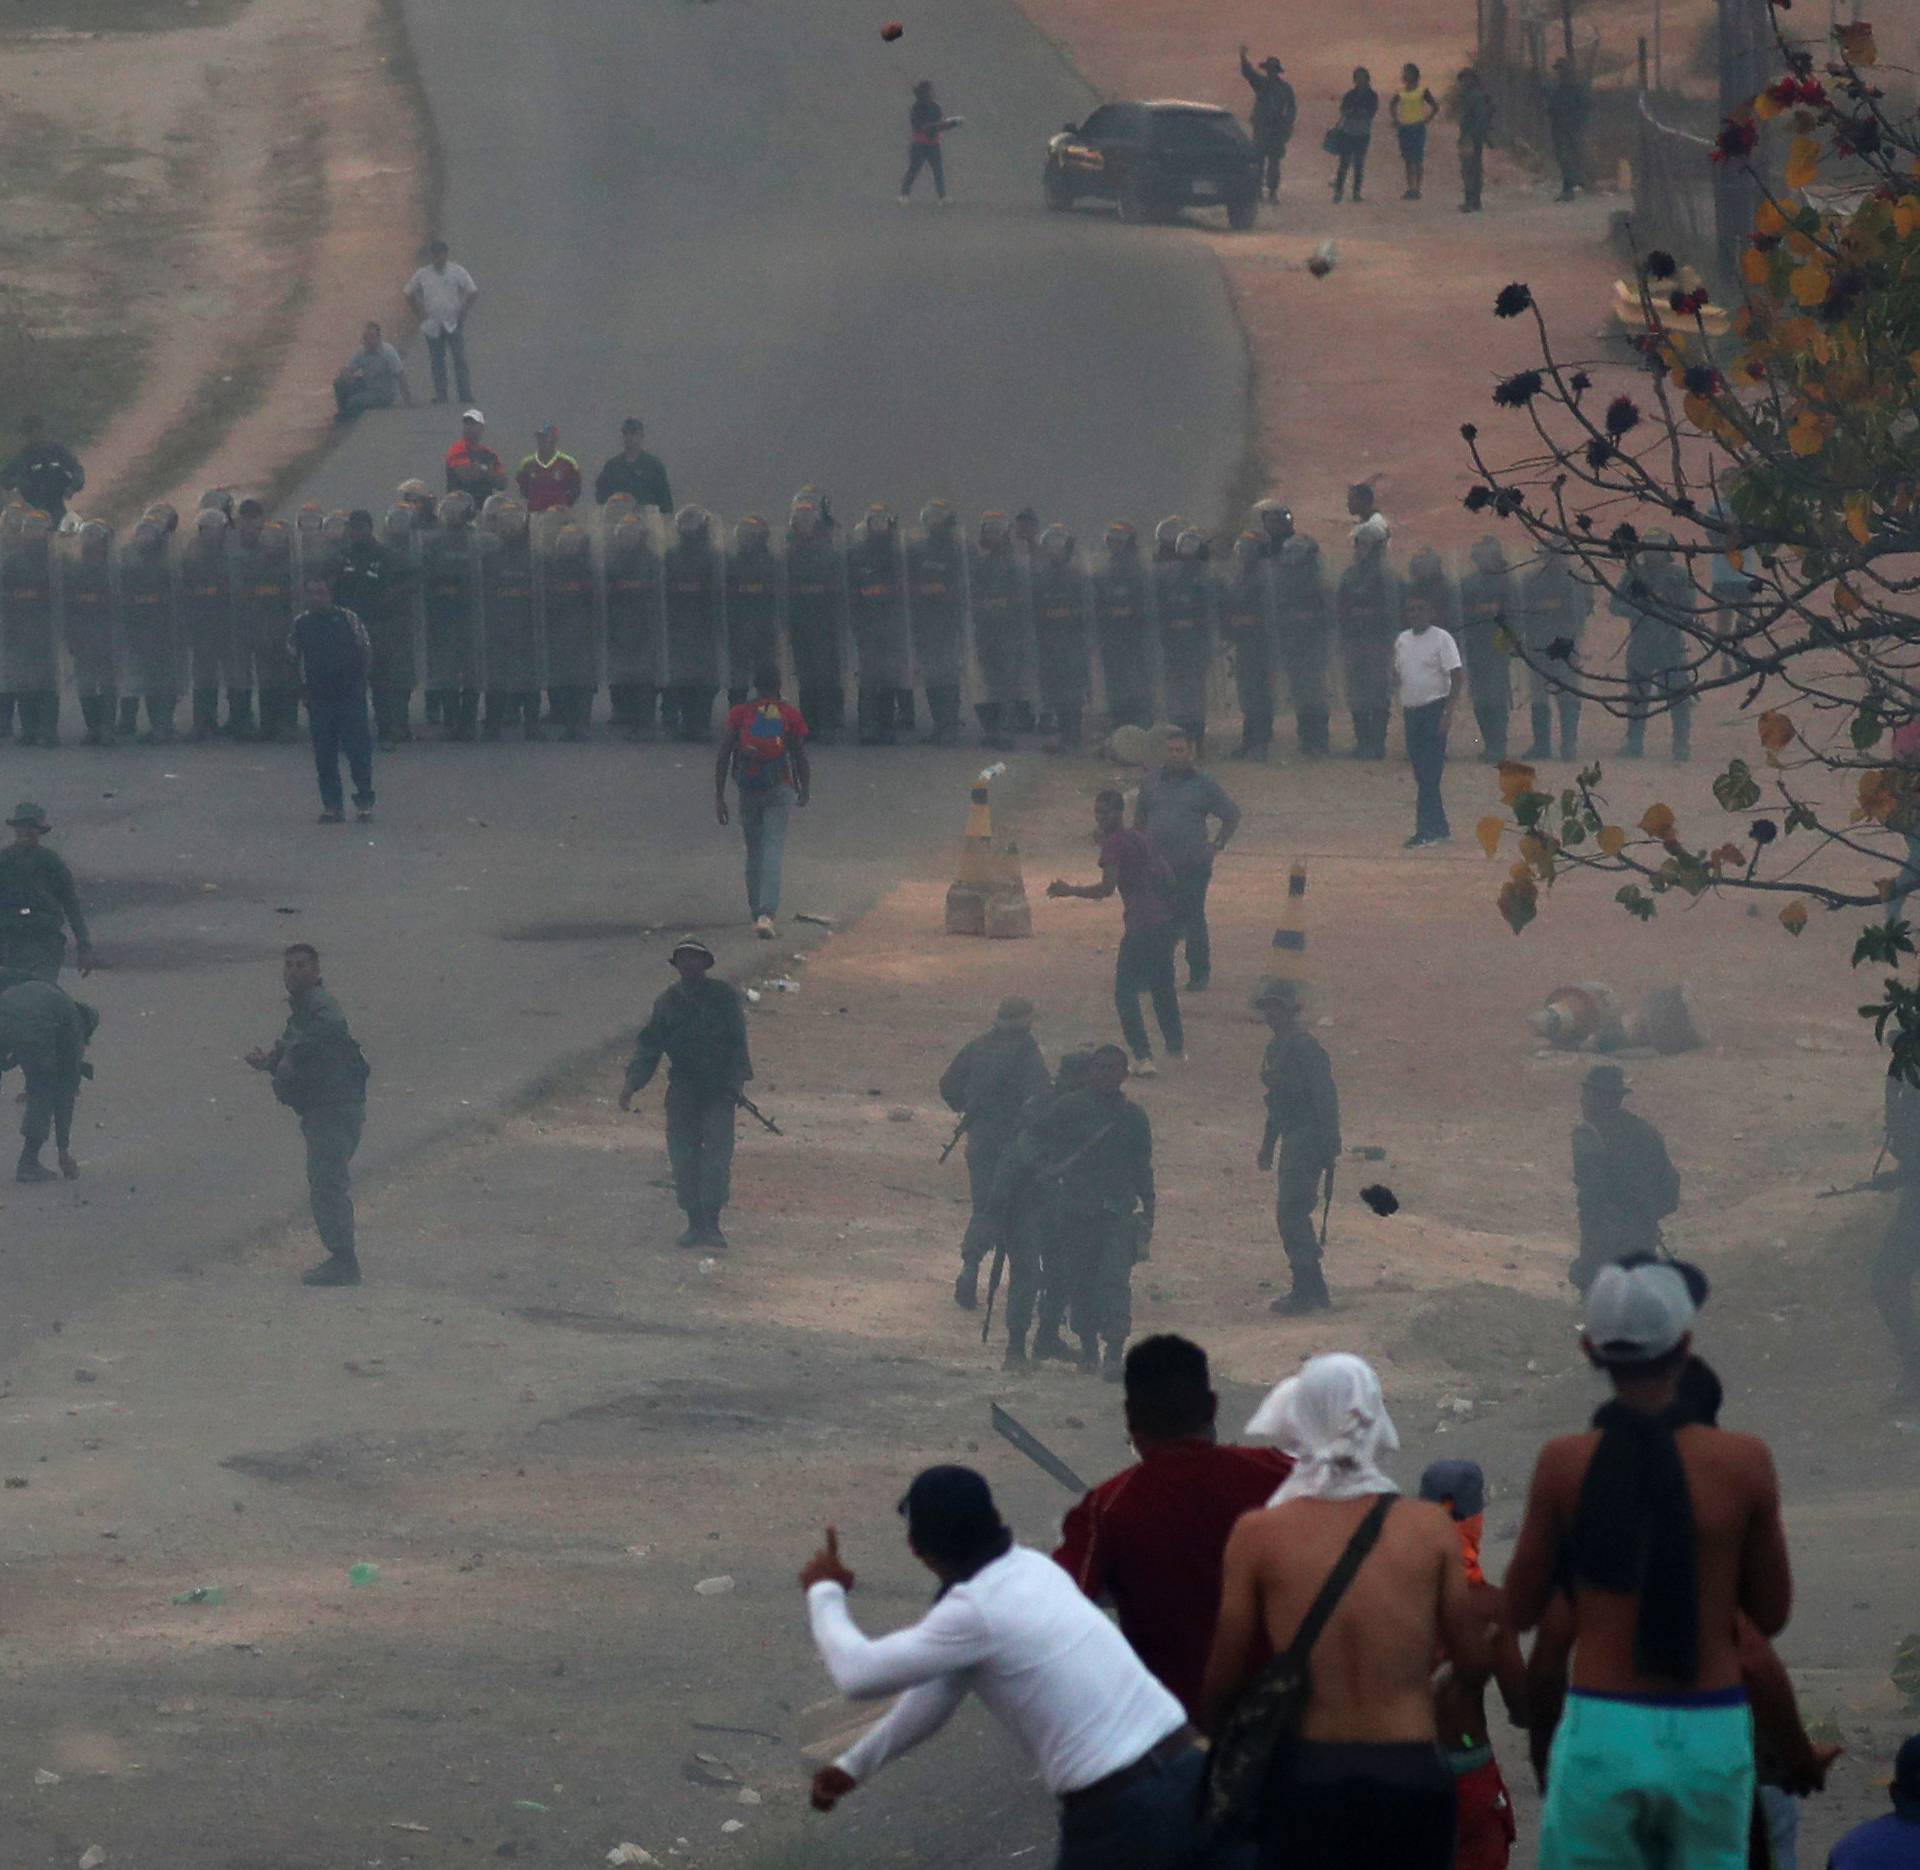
1778 468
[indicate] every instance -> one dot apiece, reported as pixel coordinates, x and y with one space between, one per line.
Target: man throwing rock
699 1027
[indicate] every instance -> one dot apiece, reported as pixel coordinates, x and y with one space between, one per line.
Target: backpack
763 745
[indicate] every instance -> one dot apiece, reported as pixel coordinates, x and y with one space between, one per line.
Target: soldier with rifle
1624 1183
698 1025
1303 1120
1020 1222
988 1083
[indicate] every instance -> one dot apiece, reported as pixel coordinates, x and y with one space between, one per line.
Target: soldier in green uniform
1898 1260
1094 1156
753 606
1062 654
1303 1118
1303 622
320 1074
1367 604
1488 627
1554 604
699 1026
45 1034
988 1083
1658 599
1020 1218
87 613
937 608
38 903
1123 627
1624 1184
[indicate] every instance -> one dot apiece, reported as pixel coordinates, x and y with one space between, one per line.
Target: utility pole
1746 60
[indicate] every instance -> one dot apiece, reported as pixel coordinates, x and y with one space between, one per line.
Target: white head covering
1332 1420
1373 527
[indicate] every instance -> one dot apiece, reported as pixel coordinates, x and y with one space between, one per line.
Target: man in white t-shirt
1427 673
441 295
1111 1743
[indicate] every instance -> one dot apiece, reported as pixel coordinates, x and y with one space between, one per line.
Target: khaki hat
1014 1013
30 816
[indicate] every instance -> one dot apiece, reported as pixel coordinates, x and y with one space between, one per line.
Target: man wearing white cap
473 467
1661 1528
699 1027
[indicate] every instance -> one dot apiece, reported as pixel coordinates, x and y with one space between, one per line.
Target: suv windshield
1199 133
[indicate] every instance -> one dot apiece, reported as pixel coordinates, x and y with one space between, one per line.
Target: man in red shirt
1131 863
1151 1540
548 478
763 746
473 468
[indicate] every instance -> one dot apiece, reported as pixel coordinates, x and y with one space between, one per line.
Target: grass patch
19 17
76 381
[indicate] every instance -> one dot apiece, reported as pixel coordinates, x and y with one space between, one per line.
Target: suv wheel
1138 203
1057 189
1242 212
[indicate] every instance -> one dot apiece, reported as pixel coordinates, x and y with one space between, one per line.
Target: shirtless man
1667 1528
1485 1821
1365 1783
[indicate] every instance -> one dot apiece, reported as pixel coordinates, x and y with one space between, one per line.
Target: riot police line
183 628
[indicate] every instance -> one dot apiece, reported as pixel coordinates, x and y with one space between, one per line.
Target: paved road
687 211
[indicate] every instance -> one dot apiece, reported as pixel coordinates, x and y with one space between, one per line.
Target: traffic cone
988 896
1290 938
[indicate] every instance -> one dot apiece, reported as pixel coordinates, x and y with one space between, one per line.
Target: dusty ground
546 1431
205 213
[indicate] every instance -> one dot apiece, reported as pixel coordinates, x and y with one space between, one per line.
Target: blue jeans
764 811
1189 894
1427 753
340 726
1150 1823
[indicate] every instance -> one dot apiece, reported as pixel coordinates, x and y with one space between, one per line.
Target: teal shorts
1650 1783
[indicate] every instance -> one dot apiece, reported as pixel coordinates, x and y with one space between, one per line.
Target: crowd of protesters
1335 1644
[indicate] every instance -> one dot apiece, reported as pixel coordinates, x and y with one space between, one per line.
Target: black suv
1155 158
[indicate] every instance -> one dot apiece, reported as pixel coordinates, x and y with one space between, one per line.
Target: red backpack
763 745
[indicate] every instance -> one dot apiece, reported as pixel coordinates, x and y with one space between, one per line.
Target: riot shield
1061 634
569 604
1002 630
1366 605
450 601
690 575
29 631
1184 599
1244 604
877 618
260 562
154 658
632 550
816 620
205 586
937 615
1123 629
510 656
752 606
1303 628
84 599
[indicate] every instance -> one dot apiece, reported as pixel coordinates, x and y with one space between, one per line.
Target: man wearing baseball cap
699 1026
1624 1182
1661 1528
473 468
38 902
635 472
1893 1841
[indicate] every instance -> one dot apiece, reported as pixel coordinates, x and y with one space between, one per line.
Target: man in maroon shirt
548 479
1131 863
1151 1539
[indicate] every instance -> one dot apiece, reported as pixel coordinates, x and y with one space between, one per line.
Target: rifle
1868 1185
1326 1207
754 1111
959 1130
1051 1172
1035 1450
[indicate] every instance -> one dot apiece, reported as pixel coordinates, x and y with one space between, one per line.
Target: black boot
693 1235
1309 1294
1050 1347
337 1269
1542 747
32 1169
1016 1357
711 1236
966 1288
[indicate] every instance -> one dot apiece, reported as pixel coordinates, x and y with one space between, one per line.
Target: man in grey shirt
1174 809
372 378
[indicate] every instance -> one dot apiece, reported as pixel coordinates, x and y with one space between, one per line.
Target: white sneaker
763 927
1144 1068
903 201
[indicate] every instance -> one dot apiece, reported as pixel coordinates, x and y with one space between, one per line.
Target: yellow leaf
1612 840
1803 162
1768 219
1516 777
1766 107
1776 731
1488 832
1879 793
1808 435
1802 246
1906 216
1657 821
1913 362
1810 284
1700 412
1755 267
1845 601
1860 516
1856 43
1793 918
